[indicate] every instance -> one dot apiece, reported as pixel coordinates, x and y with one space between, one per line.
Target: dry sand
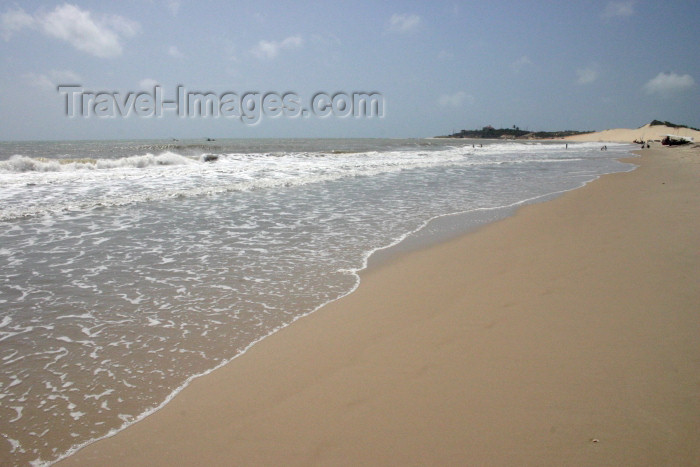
567 334
644 133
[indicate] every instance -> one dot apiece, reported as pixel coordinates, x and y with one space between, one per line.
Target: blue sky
439 66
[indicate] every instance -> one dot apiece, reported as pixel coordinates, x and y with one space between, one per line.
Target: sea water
129 267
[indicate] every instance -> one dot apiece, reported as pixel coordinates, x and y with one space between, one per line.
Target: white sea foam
36 186
77 415
21 164
19 410
16 445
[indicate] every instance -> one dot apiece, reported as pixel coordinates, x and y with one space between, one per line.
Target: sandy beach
564 335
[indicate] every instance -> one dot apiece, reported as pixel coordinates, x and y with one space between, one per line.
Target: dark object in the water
211 158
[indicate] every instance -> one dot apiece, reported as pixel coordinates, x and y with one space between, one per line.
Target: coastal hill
489 132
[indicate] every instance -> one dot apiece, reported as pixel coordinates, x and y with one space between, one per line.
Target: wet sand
568 334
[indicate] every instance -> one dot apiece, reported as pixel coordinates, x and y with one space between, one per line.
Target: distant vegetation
489 132
659 122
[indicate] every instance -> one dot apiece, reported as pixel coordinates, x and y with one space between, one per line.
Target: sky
296 69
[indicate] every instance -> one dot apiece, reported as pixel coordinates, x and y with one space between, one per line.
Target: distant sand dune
645 133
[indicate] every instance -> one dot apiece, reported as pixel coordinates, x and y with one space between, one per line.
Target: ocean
127 268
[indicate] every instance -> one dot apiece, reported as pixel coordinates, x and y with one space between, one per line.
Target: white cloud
271 49
39 80
404 22
173 7
65 77
521 63
614 9
175 52
454 100
124 26
665 84
586 75
148 83
77 27
51 80
13 21
328 40
99 37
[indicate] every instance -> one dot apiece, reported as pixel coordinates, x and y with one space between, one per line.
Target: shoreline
87 421
316 370
439 229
